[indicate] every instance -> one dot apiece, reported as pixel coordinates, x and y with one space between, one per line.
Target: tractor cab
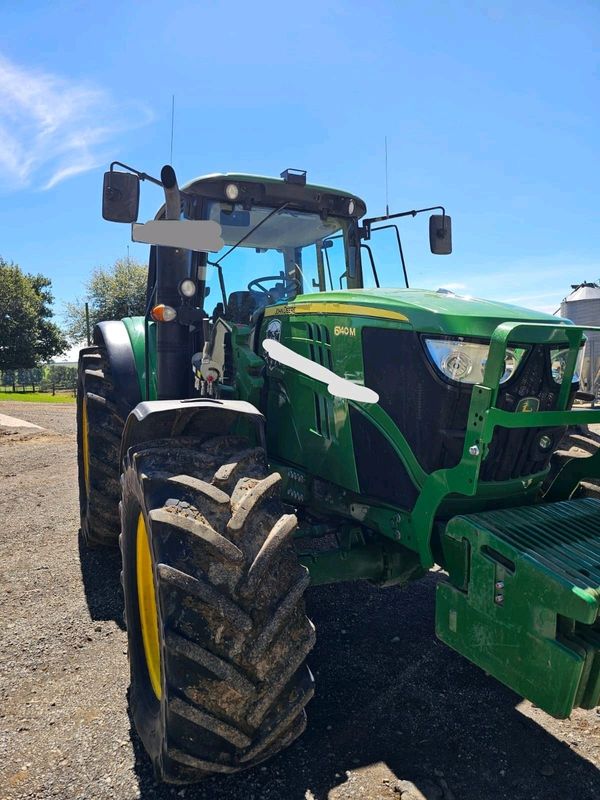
280 239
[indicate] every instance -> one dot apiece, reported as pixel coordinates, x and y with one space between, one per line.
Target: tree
113 293
27 334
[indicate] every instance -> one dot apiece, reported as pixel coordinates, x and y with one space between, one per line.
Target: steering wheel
257 282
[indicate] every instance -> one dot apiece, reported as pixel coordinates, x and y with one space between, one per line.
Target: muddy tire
99 430
218 676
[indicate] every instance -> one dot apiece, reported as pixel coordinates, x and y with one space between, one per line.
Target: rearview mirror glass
240 219
440 234
120 197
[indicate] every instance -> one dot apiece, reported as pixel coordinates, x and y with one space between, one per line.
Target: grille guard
485 416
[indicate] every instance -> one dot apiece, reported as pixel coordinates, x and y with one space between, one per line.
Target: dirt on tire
230 685
395 712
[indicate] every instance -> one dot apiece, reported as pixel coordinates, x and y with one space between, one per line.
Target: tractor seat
242 305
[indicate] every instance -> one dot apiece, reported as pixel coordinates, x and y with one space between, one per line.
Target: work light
232 192
187 287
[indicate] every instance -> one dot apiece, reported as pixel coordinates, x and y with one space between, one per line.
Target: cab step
523 599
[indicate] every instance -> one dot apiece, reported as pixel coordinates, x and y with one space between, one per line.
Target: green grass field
38 397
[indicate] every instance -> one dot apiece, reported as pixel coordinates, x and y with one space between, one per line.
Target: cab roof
262 190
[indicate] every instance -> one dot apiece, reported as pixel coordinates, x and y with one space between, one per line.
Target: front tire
218 676
578 442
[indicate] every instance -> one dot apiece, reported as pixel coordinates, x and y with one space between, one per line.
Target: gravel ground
396 714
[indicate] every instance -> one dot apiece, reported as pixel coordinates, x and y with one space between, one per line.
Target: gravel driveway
396 713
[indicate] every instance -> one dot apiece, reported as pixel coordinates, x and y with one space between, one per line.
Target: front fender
165 419
113 336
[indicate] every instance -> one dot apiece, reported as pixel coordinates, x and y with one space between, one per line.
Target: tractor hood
430 311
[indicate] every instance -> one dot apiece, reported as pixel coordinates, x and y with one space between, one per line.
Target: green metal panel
136 330
248 379
434 312
306 426
524 597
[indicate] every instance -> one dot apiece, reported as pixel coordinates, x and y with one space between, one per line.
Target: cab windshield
289 253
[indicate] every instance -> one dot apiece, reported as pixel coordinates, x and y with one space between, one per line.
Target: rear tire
231 633
99 431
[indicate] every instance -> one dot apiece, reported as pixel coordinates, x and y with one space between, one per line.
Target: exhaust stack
172 339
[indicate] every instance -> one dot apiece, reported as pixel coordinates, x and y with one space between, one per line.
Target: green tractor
277 420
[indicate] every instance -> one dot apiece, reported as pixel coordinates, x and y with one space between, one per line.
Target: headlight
465 361
558 361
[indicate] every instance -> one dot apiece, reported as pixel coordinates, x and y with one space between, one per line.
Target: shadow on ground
101 571
388 691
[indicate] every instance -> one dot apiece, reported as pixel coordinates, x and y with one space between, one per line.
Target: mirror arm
143 176
368 222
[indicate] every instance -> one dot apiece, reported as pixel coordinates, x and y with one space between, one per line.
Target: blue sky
491 109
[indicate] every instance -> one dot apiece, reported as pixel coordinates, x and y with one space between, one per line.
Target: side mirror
120 196
440 234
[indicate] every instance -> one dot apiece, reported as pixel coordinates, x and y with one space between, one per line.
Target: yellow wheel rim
85 447
147 606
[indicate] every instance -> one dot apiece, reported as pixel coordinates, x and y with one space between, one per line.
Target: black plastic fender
164 419
113 336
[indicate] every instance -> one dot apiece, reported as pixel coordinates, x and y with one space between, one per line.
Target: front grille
432 412
516 453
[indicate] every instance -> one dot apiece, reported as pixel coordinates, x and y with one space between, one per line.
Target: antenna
172 126
387 205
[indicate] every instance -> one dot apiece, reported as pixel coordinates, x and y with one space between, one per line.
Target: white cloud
53 128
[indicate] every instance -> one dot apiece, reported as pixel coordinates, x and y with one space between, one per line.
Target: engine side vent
319 351
322 416
319 345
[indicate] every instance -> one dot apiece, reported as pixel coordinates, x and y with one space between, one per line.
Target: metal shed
582 307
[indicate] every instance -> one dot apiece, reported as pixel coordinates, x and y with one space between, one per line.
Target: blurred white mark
203 236
338 387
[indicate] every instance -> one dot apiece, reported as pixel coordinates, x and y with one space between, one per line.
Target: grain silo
582 307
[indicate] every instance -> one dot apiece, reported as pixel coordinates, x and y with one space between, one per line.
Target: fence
52 379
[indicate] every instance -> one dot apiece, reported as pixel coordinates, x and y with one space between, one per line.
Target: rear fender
165 419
